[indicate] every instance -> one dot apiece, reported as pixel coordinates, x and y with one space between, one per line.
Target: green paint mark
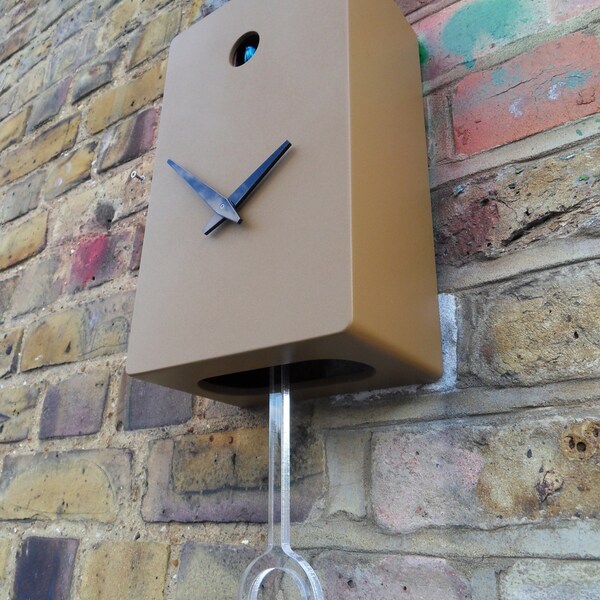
423 52
579 132
577 78
584 178
481 23
596 175
499 76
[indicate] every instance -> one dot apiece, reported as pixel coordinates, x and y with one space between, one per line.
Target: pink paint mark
87 259
561 10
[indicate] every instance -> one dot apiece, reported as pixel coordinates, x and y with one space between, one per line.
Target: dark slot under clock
308 372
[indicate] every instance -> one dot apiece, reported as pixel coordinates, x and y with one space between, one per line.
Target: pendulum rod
279 556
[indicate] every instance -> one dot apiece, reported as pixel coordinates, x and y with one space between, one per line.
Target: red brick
566 9
409 6
553 84
465 31
138 243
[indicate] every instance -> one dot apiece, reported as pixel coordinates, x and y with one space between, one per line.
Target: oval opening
302 374
244 49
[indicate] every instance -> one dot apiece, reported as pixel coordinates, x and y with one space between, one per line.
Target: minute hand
249 185
219 204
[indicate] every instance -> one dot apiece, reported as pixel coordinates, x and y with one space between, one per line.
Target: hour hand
219 204
250 184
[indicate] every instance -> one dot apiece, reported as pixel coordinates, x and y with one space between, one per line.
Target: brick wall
484 486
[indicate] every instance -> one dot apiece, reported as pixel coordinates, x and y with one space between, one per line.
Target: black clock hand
249 184
219 204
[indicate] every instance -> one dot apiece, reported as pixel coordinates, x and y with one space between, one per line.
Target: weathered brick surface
22 240
73 22
48 104
5 553
486 475
74 406
114 104
91 211
16 411
534 330
122 18
223 477
466 31
21 12
128 139
409 6
515 206
116 570
99 259
7 289
566 9
41 283
347 460
21 197
26 158
87 331
522 96
90 78
70 170
53 10
30 84
214 571
16 40
156 36
145 405
79 485
389 577
138 242
45 568
13 129
71 55
550 580
10 342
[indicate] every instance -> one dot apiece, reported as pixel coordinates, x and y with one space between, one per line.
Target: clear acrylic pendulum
279 558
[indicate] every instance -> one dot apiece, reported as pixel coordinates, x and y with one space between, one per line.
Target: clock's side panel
284 274
394 285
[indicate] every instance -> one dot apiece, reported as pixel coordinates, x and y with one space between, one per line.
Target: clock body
332 269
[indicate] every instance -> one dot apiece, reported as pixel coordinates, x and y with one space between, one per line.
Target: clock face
279 275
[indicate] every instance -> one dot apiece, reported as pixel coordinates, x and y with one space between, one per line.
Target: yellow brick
17 405
156 36
4 553
87 331
12 129
120 20
138 567
28 157
70 486
23 240
55 340
195 10
71 170
30 84
9 350
117 103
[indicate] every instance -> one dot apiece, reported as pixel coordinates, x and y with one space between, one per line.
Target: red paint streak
532 97
88 257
